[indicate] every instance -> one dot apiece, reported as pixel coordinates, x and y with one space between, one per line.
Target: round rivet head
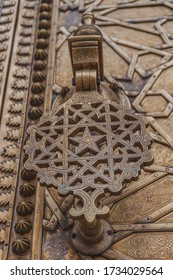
24 208
37 88
34 113
45 15
36 100
40 54
21 246
39 65
38 76
44 24
27 190
23 226
28 175
42 44
45 7
43 33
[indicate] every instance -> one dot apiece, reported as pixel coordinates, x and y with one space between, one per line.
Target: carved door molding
34 70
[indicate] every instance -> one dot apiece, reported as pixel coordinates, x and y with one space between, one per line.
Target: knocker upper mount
89 145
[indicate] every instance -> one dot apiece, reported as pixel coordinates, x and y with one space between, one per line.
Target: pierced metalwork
86 146
89 145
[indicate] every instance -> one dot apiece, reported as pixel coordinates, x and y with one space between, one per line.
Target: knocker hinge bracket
87 56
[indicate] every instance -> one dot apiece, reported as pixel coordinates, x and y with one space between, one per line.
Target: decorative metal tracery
138 64
88 145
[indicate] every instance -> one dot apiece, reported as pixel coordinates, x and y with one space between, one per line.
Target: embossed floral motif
148 246
56 247
143 202
162 156
87 55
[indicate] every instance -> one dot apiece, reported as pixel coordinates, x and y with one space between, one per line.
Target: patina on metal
86 53
89 145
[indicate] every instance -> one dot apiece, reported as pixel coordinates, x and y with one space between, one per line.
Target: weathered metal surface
138 65
94 145
89 144
14 92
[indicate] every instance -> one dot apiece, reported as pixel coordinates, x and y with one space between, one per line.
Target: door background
138 50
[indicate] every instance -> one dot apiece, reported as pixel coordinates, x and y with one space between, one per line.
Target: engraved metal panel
138 44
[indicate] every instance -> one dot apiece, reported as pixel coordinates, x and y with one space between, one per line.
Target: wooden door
35 68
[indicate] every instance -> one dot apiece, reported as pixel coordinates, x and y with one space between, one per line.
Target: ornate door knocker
91 145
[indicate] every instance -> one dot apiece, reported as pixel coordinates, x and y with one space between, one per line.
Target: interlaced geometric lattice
85 146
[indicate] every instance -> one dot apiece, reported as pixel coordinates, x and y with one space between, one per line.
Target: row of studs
23 226
40 63
7 166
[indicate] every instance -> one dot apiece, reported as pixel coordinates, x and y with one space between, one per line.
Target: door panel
138 64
